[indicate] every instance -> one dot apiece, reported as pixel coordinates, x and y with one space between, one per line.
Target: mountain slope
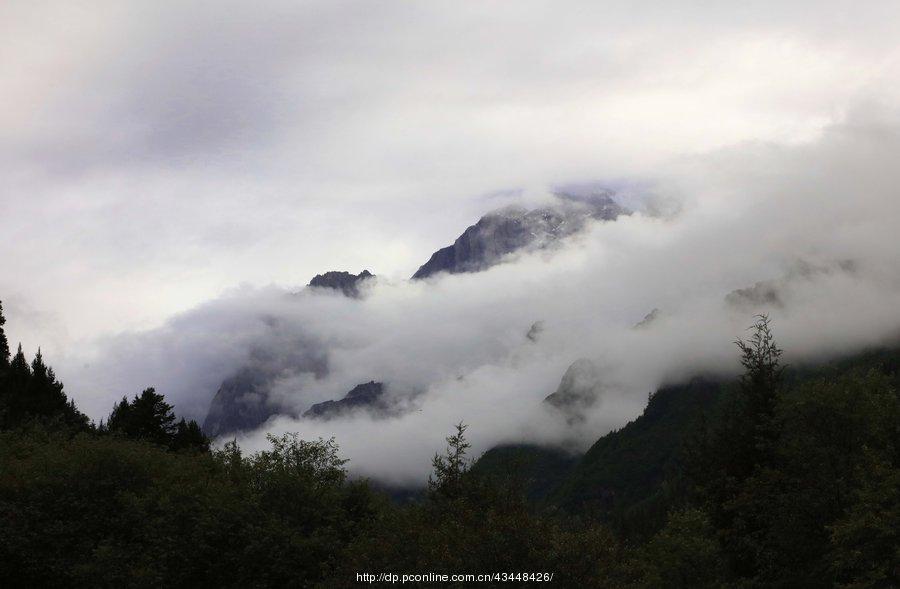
368 396
628 476
627 466
622 468
512 229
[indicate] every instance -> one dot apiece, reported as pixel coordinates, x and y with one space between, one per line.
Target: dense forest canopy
782 478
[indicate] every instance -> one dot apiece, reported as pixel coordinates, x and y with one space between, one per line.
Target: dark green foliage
627 476
469 523
44 393
29 393
782 478
18 368
537 470
149 418
834 438
109 512
189 436
685 554
865 540
763 374
780 469
738 447
4 342
447 479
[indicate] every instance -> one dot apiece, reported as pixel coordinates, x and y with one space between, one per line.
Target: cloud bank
818 219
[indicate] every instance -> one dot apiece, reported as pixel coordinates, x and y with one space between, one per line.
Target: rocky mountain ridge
368 396
515 228
242 402
345 282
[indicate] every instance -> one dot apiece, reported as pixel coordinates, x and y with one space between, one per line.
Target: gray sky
157 155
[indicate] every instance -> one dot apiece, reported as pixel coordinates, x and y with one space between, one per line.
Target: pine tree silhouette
4 343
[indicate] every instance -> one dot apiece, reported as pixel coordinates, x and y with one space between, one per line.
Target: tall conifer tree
4 343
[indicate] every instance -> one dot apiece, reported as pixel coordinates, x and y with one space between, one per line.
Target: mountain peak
514 228
343 281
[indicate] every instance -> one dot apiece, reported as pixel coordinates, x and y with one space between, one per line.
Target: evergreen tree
4 343
189 436
449 469
14 389
19 365
118 419
32 393
148 417
744 437
44 395
725 461
761 381
4 366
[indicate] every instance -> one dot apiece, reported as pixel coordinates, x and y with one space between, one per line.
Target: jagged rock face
347 283
578 391
515 228
244 401
240 404
368 396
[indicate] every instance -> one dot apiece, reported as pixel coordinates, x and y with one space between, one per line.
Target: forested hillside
782 478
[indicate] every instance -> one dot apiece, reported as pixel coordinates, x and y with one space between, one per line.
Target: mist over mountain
578 390
608 290
464 346
368 397
243 401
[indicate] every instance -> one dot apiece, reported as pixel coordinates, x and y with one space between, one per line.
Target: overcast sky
156 153
155 156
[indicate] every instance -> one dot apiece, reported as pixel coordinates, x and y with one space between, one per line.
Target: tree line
31 395
789 480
